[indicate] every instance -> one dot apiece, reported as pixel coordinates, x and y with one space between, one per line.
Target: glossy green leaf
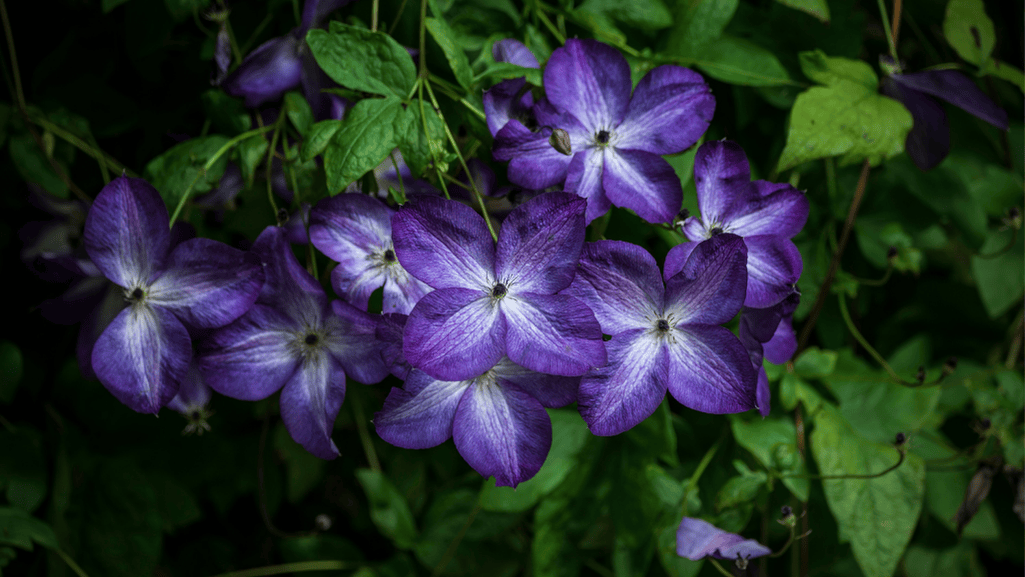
419 142
969 31
363 141
958 561
388 508
299 112
740 489
742 62
773 441
877 516
250 153
227 114
945 487
496 71
319 137
817 8
814 363
643 14
363 60
173 172
33 166
698 23
1001 278
20 529
445 37
846 117
1007 72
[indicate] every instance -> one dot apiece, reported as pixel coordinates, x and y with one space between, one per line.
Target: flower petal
533 161
351 336
553 334
507 100
444 243
515 52
929 140
142 357
584 178
783 343
126 233
454 334
552 391
619 281
389 332
723 180
711 286
678 256
539 243
267 72
591 81
310 403
193 393
643 182
669 111
623 393
779 209
697 539
502 431
420 414
773 267
710 371
252 357
957 89
288 287
208 284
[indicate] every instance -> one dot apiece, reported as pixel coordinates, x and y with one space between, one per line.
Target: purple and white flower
664 336
295 339
769 334
143 355
497 419
494 301
510 98
355 231
767 215
697 539
616 140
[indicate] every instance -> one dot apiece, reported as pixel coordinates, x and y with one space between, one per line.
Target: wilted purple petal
420 415
957 89
629 388
310 402
723 180
208 284
763 396
502 431
142 356
222 55
455 334
552 391
443 243
584 178
669 111
643 182
929 140
591 81
697 539
514 52
252 357
553 334
710 371
126 232
711 286
620 282
773 267
539 243
351 337
268 72
533 162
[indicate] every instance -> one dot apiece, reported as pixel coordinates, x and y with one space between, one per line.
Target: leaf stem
373 16
886 29
398 14
71 562
298 567
900 461
692 484
364 435
104 159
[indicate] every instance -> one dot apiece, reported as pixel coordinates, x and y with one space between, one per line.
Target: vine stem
364 435
886 29
71 562
299 567
105 160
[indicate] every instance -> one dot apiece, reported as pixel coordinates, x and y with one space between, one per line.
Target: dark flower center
389 255
311 339
603 137
136 294
716 230
499 291
662 325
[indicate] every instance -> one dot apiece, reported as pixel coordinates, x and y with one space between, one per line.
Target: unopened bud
891 253
282 216
900 439
560 141
1013 218
950 365
920 375
788 520
985 424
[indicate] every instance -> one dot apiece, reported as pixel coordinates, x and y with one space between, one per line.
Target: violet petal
723 180
584 178
420 415
539 243
553 334
533 161
669 111
643 182
267 72
591 81
779 209
957 89
455 334
310 402
351 336
552 391
620 282
773 267
514 52
710 371
710 288
697 539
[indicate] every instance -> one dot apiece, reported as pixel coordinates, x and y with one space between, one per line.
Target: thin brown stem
895 26
1015 348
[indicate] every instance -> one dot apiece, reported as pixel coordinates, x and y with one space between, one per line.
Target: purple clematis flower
497 419
192 401
143 355
490 302
929 140
294 338
616 140
510 98
767 215
355 231
769 334
664 336
697 539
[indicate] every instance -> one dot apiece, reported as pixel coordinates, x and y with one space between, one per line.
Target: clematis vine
355 231
767 215
697 539
497 419
143 355
295 340
494 301
615 140
664 336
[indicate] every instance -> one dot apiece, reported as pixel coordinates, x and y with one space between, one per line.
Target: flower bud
788 520
920 375
949 366
891 253
560 141
900 439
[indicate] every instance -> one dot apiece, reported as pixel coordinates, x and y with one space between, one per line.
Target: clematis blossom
616 140
355 231
697 539
295 340
767 215
510 98
494 301
664 336
142 356
769 334
497 419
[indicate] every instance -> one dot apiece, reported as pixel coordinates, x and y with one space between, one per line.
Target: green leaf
176 504
33 165
303 471
174 171
569 435
227 114
363 141
773 441
11 368
363 60
388 509
740 489
945 488
1001 279
1001 70
993 187
299 112
414 143
443 35
23 468
876 236
19 529
675 565
108 5
739 61
698 23
643 14
877 516
969 31
814 363
504 70
846 117
182 9
817 8
793 390
655 436
250 152
319 137
961 560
